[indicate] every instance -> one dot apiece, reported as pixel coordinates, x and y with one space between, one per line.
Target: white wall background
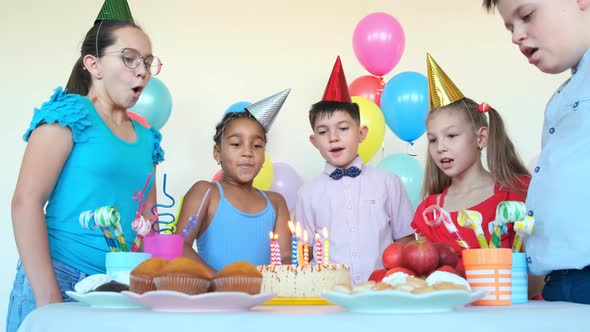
219 52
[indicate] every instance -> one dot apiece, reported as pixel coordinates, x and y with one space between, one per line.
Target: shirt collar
358 162
584 63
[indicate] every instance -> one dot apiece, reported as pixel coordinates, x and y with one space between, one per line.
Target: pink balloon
368 86
378 43
287 182
217 176
138 118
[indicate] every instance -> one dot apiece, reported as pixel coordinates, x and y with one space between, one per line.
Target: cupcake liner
141 285
181 283
250 285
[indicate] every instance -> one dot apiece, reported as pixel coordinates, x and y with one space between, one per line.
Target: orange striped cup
490 270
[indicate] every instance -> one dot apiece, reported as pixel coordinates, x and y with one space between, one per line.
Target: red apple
399 269
446 254
392 255
450 269
378 275
421 258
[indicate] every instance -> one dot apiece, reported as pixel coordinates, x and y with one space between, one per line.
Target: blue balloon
404 103
154 104
237 107
409 170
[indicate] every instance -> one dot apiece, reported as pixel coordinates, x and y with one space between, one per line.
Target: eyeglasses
132 59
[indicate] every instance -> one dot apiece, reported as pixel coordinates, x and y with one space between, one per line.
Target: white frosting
90 283
440 276
395 279
302 281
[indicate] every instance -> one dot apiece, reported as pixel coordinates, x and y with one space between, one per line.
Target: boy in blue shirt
554 36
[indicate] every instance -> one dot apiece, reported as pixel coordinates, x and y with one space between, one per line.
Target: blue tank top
101 170
237 236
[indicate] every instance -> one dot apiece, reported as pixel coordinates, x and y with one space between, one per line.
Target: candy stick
440 215
192 220
522 228
142 226
472 219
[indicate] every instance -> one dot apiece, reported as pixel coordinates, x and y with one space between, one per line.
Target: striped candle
299 245
305 249
326 247
319 252
277 250
293 244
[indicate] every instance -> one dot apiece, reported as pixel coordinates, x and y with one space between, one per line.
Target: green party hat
115 10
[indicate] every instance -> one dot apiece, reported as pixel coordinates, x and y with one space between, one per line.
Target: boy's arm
401 212
192 201
281 227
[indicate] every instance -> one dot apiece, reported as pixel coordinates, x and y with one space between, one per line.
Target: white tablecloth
534 316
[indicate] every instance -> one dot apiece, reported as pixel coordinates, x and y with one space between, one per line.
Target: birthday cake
302 281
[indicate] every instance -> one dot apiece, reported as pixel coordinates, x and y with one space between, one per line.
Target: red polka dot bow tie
352 171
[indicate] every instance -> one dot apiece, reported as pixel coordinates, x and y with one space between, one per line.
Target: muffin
183 275
238 277
141 278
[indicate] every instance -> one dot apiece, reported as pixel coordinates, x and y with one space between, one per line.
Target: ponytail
80 80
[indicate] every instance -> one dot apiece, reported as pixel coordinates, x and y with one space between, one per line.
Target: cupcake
238 277
183 275
141 278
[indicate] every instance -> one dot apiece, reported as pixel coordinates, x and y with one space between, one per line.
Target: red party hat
337 89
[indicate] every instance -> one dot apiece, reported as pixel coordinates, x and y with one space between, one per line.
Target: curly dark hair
229 117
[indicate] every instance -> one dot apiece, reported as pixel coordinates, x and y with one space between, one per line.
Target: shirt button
530 213
372 202
537 169
551 130
576 104
352 229
354 254
357 277
350 207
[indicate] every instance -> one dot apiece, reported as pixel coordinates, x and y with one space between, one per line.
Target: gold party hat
115 10
442 91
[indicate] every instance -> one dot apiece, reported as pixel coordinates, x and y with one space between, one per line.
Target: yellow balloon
372 117
263 180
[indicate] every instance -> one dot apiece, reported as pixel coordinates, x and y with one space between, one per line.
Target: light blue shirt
101 170
557 194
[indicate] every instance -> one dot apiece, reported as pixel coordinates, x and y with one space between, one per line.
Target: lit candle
305 249
272 248
277 250
299 245
326 247
319 252
293 244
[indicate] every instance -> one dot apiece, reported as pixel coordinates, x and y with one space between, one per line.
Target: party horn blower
472 219
142 226
440 215
106 216
522 228
507 211
87 220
